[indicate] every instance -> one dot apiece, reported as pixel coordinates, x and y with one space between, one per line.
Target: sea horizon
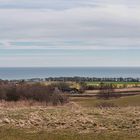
16 73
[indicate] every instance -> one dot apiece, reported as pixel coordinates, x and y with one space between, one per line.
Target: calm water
26 73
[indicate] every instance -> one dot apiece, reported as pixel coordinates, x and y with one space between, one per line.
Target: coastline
11 73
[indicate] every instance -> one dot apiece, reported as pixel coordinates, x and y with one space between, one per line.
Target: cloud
35 30
97 44
61 4
101 26
98 58
44 4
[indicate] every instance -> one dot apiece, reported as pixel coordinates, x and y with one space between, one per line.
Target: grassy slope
117 120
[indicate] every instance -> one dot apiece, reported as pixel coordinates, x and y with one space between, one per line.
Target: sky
66 33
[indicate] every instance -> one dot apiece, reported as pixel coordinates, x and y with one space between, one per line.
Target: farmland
117 84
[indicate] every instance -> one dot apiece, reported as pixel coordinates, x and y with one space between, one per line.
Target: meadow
79 118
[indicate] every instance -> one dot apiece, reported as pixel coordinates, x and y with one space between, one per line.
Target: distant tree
83 87
106 90
62 86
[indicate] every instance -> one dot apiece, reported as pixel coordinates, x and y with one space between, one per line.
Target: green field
116 84
127 83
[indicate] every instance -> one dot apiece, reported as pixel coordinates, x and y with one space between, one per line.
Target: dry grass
77 120
72 117
20 104
120 102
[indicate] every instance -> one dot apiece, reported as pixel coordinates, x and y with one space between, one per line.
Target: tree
83 86
106 90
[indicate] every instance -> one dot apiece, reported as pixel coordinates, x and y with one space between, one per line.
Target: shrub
37 92
106 91
12 94
2 93
62 86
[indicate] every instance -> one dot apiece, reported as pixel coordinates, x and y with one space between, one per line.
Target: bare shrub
36 92
62 86
12 94
107 91
2 93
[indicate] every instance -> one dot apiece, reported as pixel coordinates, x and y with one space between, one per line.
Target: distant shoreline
11 73
79 79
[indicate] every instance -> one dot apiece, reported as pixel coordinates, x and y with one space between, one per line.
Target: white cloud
111 25
68 25
63 4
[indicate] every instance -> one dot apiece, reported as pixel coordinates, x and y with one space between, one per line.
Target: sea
16 73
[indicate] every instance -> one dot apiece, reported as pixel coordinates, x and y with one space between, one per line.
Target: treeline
77 79
36 92
92 79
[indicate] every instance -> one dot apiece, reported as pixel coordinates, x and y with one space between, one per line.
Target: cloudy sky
47 33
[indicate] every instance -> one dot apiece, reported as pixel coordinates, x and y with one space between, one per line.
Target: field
117 84
120 102
127 83
80 119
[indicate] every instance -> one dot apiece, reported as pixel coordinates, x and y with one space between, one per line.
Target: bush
12 94
37 92
92 87
62 86
106 91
